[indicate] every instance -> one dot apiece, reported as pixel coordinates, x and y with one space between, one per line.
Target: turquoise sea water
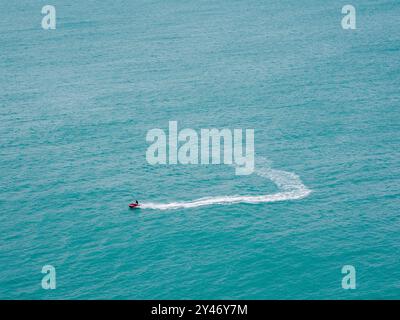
77 102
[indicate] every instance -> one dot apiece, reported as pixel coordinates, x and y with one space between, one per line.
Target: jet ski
134 205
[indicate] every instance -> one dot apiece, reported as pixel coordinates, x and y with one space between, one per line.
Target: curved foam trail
290 185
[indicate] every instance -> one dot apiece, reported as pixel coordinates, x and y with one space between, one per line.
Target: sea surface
77 102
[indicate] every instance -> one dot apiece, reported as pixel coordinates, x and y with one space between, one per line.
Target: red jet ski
134 205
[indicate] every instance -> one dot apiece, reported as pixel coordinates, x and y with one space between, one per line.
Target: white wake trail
290 185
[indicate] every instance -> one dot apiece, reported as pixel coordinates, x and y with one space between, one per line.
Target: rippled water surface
76 104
